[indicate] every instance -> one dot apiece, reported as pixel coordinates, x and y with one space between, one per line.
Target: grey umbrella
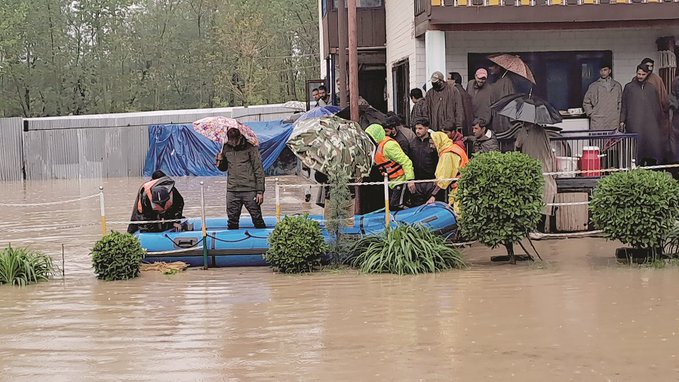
527 108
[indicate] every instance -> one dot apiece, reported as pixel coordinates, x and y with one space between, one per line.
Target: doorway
400 73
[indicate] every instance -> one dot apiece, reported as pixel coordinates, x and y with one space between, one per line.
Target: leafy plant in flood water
501 198
22 266
639 208
295 245
117 256
406 249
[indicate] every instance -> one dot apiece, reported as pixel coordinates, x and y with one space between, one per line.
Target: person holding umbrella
504 67
532 114
246 179
240 157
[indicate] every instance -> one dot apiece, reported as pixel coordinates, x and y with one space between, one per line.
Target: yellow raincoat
449 164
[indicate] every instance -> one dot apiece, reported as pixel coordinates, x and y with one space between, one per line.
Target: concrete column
435 53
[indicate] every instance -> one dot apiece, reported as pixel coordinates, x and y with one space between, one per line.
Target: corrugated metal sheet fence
94 146
11 155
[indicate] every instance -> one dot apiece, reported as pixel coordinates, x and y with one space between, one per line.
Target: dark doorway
400 73
371 83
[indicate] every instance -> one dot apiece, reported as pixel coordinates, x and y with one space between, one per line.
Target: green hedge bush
639 207
296 245
117 256
501 198
405 249
23 266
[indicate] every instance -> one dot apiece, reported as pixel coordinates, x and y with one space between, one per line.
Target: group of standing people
643 106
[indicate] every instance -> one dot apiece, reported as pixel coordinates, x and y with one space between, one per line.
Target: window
360 3
324 7
562 77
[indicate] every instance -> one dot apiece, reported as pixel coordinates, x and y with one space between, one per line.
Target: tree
60 57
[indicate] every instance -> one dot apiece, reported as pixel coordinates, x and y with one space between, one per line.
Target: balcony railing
421 4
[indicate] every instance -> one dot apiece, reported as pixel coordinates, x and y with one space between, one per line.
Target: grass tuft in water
23 266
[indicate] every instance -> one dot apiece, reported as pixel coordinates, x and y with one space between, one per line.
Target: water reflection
578 318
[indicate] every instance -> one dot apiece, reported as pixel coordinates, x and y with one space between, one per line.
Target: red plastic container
590 161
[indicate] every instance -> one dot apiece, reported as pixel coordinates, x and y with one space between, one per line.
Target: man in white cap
443 102
480 93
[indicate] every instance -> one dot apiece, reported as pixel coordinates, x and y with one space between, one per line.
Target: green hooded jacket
393 152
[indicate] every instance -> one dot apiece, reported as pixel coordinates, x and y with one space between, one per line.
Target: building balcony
542 14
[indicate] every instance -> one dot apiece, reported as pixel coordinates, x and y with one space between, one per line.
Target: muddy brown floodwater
576 317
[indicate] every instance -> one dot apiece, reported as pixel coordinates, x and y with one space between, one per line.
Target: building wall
400 41
629 46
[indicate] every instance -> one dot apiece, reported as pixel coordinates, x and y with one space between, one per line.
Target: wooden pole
342 47
353 61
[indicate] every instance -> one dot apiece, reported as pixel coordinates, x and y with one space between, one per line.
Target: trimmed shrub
406 249
23 266
296 245
501 198
117 256
639 207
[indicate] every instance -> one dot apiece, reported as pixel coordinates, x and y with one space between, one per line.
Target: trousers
234 204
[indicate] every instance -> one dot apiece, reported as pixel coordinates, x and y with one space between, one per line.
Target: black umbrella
527 108
367 115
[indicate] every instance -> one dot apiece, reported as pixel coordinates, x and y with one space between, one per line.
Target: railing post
278 201
203 224
102 210
387 213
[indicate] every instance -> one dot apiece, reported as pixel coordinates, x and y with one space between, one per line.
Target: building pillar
435 53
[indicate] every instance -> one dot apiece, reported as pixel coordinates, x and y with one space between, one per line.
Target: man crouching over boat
157 199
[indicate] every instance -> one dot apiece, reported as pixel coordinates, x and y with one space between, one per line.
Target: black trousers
234 204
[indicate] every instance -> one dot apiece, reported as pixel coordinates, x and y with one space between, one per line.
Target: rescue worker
452 158
392 162
157 199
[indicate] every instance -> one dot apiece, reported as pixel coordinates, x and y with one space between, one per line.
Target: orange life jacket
393 170
147 188
459 151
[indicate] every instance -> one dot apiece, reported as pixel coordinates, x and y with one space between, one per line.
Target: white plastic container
566 164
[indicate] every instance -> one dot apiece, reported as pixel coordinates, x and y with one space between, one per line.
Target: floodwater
576 317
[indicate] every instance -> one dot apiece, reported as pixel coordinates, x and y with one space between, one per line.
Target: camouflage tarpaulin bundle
322 142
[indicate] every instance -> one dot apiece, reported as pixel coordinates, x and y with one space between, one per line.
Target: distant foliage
405 249
23 266
117 256
63 57
296 245
501 197
639 208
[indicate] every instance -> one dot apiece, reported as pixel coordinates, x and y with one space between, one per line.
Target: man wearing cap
664 98
444 102
602 101
640 112
480 92
157 199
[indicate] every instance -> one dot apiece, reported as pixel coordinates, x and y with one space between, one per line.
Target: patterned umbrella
323 142
514 64
215 128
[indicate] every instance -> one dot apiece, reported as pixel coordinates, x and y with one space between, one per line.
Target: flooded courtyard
576 317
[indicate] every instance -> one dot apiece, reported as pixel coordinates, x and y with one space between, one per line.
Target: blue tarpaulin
178 150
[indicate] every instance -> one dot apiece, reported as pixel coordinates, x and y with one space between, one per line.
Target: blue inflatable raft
245 246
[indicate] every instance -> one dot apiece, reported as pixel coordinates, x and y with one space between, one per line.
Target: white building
563 41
